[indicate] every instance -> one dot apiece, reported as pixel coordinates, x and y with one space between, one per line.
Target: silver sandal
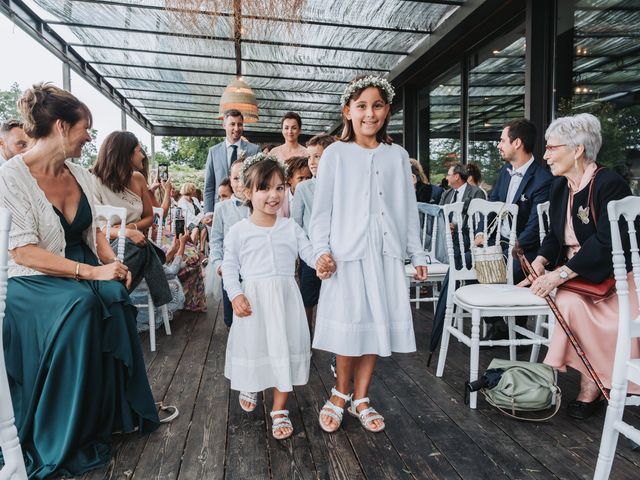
280 423
249 397
365 416
333 411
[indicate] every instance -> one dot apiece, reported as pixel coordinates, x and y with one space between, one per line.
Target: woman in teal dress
73 357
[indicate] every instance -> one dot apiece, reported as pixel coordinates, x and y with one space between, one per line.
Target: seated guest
72 353
13 140
119 183
425 192
224 190
475 176
579 244
193 215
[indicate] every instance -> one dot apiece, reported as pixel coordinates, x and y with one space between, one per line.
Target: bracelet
77 275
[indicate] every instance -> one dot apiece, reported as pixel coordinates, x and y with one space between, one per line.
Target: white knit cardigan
34 222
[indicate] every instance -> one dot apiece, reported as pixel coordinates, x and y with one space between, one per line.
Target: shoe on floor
583 410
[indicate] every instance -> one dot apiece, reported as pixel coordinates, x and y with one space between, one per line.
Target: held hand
241 306
326 264
538 267
183 239
545 284
111 271
136 236
479 240
207 220
128 281
421 273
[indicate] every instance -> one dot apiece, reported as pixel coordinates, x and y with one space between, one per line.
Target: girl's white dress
365 215
271 347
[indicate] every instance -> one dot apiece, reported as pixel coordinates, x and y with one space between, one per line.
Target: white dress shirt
516 179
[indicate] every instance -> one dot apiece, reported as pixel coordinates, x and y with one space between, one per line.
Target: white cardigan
341 205
34 222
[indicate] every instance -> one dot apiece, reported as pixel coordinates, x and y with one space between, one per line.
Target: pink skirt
595 325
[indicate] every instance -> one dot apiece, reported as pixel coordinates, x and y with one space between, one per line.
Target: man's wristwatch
564 275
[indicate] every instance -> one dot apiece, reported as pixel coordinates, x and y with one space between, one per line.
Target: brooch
523 198
583 214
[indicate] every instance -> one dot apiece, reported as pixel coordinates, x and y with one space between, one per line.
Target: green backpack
524 386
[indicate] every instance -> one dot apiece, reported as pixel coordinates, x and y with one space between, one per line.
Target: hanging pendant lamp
239 96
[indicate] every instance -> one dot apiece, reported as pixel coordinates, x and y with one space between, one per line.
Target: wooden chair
625 368
9 442
429 217
108 213
483 300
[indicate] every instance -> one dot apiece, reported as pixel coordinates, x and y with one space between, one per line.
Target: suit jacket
217 168
593 260
470 192
533 189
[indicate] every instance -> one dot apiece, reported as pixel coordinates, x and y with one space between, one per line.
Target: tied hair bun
32 108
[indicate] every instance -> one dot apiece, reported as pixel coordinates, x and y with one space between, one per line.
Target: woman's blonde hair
417 170
188 189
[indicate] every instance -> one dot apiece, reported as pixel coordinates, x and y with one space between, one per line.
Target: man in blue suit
525 182
222 155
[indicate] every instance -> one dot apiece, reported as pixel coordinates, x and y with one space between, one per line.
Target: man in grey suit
222 155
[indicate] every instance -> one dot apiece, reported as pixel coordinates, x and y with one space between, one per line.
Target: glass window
496 96
444 124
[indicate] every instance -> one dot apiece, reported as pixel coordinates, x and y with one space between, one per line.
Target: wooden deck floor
430 432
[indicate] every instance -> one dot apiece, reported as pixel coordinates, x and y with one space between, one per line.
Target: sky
26 62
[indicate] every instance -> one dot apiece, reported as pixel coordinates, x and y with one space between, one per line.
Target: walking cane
529 271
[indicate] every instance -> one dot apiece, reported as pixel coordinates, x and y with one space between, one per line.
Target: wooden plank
332 453
247 456
204 451
376 453
162 454
289 458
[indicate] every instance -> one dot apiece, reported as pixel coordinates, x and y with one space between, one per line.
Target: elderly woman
579 244
73 355
193 214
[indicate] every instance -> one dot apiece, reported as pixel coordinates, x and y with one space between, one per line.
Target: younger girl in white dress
363 310
268 342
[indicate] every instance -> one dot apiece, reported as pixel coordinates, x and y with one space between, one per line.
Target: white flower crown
258 157
368 81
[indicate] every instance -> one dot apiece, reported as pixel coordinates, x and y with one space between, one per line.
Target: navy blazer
533 189
593 261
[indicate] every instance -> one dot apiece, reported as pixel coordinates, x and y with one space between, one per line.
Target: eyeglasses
552 148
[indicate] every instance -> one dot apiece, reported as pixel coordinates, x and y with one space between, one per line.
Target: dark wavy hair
348 134
113 166
257 176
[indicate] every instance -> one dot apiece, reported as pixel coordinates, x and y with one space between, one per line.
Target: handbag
489 262
524 387
597 291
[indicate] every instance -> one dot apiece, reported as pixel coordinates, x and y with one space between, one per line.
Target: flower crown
257 158
368 81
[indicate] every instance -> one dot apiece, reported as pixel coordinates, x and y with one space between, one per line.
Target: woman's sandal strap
279 412
357 402
341 395
161 406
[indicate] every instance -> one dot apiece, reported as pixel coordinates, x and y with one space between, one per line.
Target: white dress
271 347
369 229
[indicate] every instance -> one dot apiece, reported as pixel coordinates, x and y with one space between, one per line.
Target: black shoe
584 410
497 331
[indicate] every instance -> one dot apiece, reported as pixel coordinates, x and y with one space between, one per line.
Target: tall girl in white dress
268 342
363 310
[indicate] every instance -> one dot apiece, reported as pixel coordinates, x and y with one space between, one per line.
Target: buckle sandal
161 406
281 423
333 411
366 416
249 397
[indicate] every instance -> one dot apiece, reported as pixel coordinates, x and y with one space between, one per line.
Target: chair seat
483 295
433 268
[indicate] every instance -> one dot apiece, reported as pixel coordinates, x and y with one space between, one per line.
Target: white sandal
280 423
161 406
333 411
249 397
365 416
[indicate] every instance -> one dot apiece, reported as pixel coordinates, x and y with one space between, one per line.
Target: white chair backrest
544 224
429 228
9 443
108 212
158 219
629 323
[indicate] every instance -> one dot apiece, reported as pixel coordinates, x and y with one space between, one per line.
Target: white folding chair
625 368
482 300
158 220
543 219
9 442
109 212
429 215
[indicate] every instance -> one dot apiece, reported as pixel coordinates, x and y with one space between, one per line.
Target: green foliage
190 151
8 101
90 151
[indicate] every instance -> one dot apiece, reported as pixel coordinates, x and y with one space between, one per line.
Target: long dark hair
113 165
348 134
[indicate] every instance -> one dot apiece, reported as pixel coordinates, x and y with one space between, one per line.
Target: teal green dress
74 363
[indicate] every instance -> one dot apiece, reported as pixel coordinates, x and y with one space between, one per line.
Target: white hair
582 129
